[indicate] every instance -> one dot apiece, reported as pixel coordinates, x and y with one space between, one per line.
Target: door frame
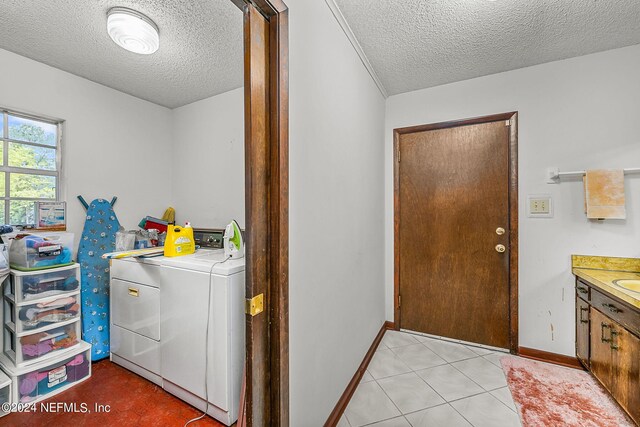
266 90
512 118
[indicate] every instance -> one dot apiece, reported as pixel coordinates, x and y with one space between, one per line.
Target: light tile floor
417 381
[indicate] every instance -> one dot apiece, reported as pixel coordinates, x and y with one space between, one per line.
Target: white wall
336 212
208 159
580 113
114 144
336 184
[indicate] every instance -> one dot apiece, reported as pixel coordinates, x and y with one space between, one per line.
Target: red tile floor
133 400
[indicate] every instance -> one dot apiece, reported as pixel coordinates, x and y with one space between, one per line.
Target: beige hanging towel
604 194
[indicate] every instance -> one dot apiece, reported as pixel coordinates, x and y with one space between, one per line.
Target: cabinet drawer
137 349
134 271
136 307
582 290
617 311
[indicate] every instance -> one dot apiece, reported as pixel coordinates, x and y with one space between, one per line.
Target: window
30 170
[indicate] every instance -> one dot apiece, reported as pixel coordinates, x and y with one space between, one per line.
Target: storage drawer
37 251
583 290
5 392
617 311
137 349
42 314
137 272
46 380
40 345
136 307
26 286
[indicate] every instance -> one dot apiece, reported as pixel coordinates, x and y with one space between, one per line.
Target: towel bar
554 174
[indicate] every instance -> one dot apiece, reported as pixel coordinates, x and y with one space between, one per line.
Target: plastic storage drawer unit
27 286
45 379
41 314
5 392
34 347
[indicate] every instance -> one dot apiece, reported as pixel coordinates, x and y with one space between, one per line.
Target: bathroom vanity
608 325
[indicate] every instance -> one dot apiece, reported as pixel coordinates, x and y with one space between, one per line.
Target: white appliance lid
202 260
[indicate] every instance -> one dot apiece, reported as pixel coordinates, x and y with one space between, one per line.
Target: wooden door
453 204
582 331
625 349
601 362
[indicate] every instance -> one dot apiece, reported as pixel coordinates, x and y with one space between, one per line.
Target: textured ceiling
200 51
415 44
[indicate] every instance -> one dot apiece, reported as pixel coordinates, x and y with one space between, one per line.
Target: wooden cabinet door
601 353
582 331
626 370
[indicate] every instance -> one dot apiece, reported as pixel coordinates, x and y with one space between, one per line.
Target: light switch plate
539 206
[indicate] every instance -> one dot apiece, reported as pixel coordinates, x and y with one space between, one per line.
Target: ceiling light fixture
132 30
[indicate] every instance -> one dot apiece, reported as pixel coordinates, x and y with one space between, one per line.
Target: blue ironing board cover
98 237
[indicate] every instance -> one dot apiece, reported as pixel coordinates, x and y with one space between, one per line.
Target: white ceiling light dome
132 30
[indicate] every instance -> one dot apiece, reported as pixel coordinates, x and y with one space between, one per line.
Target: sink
629 284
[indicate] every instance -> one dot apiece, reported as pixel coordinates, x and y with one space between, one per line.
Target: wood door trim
513 233
344 400
512 117
456 123
279 210
267 8
266 83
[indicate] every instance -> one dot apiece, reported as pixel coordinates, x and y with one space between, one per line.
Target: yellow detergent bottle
179 241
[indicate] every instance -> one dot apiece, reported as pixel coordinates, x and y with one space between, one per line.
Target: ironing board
98 237
135 253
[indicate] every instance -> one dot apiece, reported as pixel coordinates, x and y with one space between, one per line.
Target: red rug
551 395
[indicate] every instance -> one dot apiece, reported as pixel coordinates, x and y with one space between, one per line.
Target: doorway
456 230
266 397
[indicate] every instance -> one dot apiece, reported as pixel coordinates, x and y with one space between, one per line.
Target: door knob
500 248
499 231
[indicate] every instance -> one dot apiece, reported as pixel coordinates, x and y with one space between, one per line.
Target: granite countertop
602 271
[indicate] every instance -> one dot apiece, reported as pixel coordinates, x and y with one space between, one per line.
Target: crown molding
337 13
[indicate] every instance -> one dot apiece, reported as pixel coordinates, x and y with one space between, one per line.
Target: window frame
8 170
